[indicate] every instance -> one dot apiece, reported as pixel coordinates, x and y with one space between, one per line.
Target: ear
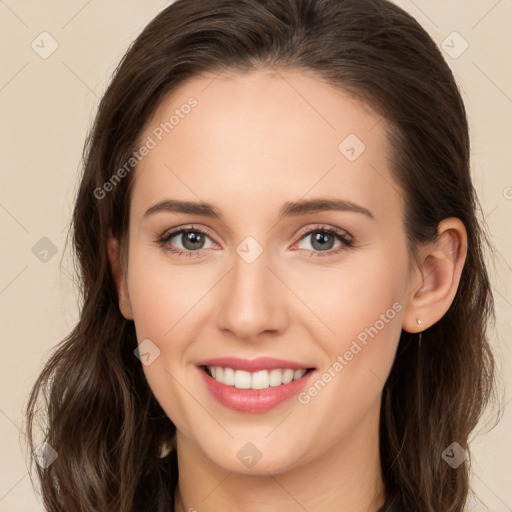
119 274
439 274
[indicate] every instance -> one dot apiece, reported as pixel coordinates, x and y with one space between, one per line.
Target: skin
254 142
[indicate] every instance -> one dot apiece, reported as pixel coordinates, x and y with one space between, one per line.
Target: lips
250 385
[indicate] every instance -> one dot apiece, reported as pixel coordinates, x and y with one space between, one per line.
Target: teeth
276 377
287 376
261 379
229 376
242 379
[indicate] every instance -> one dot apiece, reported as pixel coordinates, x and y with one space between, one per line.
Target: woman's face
266 280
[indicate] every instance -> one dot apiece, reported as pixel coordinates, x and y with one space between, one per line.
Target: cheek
347 299
162 294
163 298
362 307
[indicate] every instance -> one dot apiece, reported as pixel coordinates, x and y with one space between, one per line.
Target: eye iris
323 240
192 238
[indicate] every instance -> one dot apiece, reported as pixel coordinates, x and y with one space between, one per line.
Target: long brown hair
101 416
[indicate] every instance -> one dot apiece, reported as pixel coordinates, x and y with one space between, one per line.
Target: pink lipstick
253 385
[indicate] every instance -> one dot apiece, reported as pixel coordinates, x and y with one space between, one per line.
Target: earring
420 323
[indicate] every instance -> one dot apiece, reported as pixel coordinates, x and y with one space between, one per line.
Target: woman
285 298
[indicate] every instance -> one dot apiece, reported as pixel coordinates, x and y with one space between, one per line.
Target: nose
253 300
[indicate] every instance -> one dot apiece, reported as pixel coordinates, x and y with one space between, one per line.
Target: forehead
263 138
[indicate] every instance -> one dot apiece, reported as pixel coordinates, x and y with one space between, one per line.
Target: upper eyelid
170 233
324 227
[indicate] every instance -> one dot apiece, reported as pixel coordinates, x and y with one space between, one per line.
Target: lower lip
253 400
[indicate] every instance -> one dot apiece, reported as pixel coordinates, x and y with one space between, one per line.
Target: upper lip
252 365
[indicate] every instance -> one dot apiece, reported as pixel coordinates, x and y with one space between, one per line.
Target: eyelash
347 243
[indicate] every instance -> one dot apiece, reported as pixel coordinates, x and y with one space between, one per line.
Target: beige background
47 107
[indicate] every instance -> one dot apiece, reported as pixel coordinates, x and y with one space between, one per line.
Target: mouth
261 379
256 385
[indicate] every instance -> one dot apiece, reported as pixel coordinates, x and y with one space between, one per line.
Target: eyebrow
289 209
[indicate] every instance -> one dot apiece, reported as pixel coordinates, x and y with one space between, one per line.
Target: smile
253 385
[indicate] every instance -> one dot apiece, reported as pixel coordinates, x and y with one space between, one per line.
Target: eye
191 239
322 240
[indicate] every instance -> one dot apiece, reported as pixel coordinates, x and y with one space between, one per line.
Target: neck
346 478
